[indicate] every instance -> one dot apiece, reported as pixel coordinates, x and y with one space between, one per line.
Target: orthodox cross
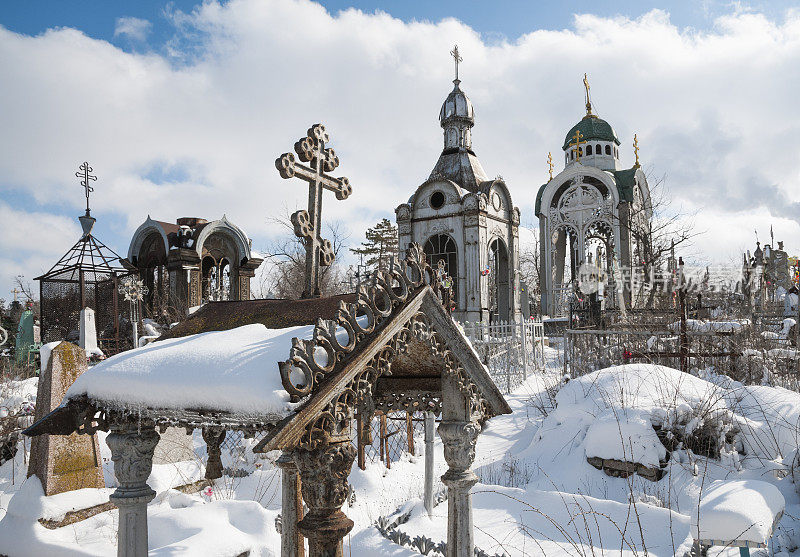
307 224
457 58
15 292
577 138
636 148
588 102
84 173
550 163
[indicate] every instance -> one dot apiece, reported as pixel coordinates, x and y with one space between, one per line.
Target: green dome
592 128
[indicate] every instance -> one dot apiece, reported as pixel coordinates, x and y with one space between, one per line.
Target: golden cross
577 137
454 53
636 148
550 163
588 102
15 292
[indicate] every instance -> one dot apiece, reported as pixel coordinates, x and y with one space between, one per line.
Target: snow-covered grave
235 380
740 513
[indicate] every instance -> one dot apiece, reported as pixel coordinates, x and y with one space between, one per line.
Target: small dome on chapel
592 128
456 105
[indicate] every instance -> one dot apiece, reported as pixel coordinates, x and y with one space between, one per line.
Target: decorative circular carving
437 200
497 201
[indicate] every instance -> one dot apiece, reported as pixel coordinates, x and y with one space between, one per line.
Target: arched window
608 149
588 150
442 247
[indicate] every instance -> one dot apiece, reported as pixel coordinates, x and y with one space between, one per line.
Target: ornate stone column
213 436
291 507
459 439
323 475
132 447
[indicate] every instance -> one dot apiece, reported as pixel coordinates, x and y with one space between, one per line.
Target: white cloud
196 131
132 27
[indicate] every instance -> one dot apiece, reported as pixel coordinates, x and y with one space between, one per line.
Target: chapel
593 212
192 261
466 220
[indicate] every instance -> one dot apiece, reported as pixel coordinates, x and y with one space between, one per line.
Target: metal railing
510 350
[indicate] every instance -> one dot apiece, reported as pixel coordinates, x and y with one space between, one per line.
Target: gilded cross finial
457 57
15 292
308 224
550 163
577 143
85 173
636 149
588 101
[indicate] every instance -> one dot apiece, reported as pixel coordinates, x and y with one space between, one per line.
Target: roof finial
588 101
84 173
550 164
636 149
454 53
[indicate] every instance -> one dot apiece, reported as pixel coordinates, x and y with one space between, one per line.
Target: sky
182 108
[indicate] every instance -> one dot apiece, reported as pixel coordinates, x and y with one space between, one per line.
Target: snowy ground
537 495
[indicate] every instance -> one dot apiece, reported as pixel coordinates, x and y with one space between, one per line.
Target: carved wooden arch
343 360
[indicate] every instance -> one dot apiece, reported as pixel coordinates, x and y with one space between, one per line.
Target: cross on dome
457 57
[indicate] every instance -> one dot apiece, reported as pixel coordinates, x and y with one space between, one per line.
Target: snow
696 325
537 494
234 370
44 354
742 510
18 397
639 386
627 435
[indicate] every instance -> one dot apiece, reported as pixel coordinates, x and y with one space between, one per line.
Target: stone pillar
291 508
428 494
213 436
88 331
323 475
132 446
246 272
459 439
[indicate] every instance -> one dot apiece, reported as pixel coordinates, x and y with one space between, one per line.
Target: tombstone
24 338
63 463
88 332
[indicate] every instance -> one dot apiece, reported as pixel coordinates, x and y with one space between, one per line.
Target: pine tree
381 245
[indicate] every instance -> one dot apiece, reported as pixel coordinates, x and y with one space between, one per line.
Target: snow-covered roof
234 371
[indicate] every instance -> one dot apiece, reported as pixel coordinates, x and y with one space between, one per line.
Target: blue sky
494 19
181 108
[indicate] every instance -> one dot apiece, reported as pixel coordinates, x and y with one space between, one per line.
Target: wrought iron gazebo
86 276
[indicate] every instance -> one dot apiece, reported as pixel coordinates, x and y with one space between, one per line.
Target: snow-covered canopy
234 371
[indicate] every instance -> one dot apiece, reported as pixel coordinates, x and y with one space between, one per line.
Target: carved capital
459 448
132 453
323 474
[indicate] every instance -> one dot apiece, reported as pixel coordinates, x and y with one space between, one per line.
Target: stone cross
307 224
577 137
454 53
85 174
636 149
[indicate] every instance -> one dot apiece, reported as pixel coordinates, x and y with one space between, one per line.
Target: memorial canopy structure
395 340
86 276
